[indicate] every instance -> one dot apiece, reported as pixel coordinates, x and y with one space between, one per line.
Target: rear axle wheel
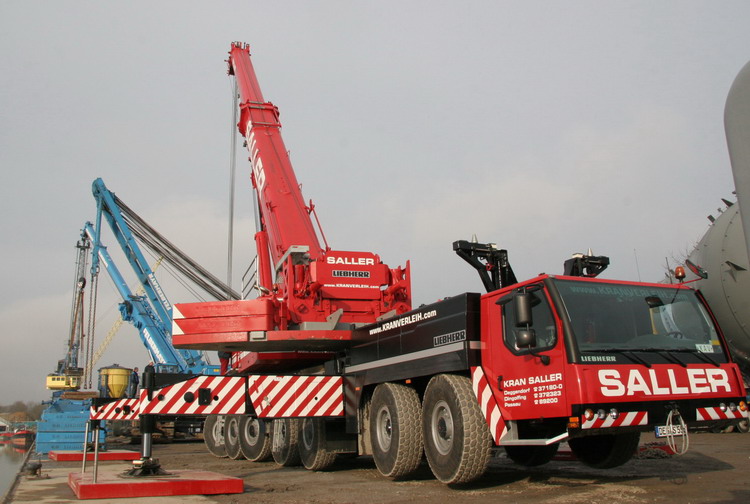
213 435
232 436
285 440
312 445
395 432
255 438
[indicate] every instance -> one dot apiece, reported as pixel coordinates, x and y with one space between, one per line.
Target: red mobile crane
305 286
526 366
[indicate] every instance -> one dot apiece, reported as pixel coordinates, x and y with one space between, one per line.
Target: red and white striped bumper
122 409
718 414
204 395
623 420
296 396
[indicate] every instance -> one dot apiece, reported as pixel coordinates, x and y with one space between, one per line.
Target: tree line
31 408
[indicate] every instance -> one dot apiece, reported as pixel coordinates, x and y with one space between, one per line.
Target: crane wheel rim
231 431
384 431
252 431
218 431
442 427
308 433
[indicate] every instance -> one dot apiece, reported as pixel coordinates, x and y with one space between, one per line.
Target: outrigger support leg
146 465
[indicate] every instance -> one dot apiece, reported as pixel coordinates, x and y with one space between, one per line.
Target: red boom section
284 215
311 296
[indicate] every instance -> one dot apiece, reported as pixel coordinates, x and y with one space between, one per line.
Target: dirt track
714 470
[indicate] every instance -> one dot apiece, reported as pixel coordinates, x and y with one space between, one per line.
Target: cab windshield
607 317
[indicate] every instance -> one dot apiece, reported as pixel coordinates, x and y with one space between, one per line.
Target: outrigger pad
110 484
77 456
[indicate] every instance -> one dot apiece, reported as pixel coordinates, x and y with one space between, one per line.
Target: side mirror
525 338
522 305
696 270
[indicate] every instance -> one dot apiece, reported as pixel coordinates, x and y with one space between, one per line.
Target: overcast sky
546 127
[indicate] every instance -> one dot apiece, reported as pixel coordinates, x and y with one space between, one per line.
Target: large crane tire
743 426
457 442
255 438
395 431
531 456
312 445
232 436
605 452
285 439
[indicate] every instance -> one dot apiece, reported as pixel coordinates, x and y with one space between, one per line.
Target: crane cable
114 330
159 244
76 329
93 295
179 279
670 426
232 171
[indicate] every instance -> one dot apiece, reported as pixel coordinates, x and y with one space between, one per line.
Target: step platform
110 484
77 456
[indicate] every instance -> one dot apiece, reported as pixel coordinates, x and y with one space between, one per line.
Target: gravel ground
714 470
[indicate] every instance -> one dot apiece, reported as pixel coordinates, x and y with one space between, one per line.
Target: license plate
669 430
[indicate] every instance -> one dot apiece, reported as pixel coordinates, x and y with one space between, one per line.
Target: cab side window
543 324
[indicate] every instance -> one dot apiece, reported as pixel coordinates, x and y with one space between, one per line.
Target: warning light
679 273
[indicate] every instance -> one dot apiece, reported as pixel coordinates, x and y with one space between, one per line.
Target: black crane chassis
442 337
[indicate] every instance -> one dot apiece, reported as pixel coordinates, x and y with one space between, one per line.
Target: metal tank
113 381
723 250
723 254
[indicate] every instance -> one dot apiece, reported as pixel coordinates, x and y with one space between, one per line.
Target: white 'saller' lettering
354 261
614 384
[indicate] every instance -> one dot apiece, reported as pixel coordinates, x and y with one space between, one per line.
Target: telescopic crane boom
314 280
284 216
